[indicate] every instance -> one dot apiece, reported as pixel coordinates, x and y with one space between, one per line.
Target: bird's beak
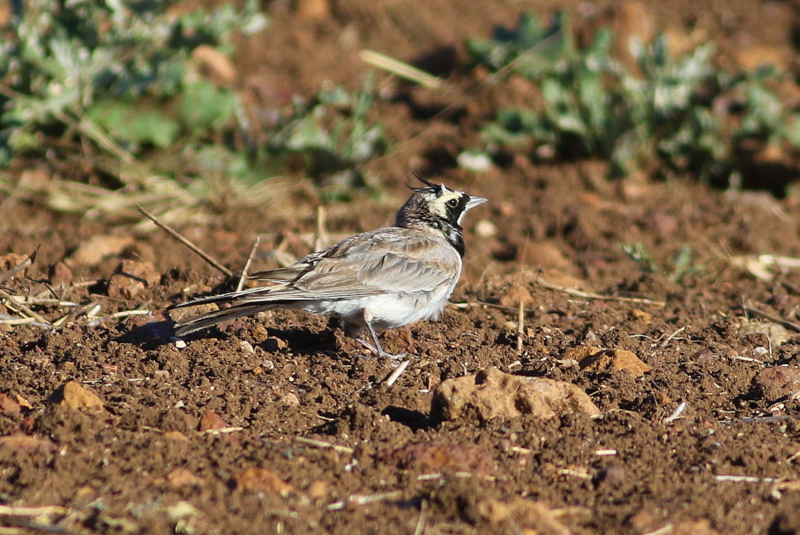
473 202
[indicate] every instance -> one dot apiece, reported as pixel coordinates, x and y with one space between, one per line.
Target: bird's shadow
151 332
148 332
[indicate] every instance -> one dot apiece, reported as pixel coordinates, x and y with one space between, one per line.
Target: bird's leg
375 348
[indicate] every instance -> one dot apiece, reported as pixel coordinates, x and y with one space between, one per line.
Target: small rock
696 527
433 456
131 277
777 382
474 161
75 396
273 345
12 260
59 274
595 359
211 420
181 477
317 489
7 404
493 394
644 520
181 511
531 516
261 480
289 400
23 402
91 252
644 317
777 334
176 436
486 229
27 443
149 328
85 493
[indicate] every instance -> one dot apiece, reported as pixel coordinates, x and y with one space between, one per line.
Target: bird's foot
378 352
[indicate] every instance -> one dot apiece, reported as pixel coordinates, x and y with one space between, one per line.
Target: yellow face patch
438 206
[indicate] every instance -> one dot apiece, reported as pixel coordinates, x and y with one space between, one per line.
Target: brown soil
153 459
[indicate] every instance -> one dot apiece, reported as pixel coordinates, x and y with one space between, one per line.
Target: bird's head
438 209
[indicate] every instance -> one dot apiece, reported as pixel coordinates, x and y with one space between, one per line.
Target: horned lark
382 279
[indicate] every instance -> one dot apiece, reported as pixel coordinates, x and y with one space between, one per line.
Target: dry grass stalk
398 68
175 234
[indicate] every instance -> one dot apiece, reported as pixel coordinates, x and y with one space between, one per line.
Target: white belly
388 311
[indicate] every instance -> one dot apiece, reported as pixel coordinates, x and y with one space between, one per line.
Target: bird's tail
208 319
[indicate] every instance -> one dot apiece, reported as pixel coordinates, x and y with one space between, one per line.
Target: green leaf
134 123
205 106
792 130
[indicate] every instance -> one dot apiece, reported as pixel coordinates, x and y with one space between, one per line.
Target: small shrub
684 113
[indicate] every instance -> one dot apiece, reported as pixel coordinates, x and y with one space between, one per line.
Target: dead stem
392 379
205 256
19 267
12 303
591 295
246 267
774 319
520 326
322 444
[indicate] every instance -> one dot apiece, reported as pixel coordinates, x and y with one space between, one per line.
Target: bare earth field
276 425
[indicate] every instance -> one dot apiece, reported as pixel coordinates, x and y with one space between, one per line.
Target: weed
92 67
681 267
119 85
333 136
685 113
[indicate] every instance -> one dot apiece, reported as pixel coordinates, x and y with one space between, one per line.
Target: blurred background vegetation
136 102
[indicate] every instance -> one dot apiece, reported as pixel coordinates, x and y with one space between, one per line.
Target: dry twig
19 267
322 444
12 303
392 379
398 68
175 234
600 297
246 267
774 319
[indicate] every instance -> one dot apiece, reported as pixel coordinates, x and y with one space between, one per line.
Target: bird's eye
452 203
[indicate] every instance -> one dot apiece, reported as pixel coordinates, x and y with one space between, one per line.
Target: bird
377 280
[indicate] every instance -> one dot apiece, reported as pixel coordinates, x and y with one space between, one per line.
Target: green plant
333 136
681 266
115 75
684 112
531 48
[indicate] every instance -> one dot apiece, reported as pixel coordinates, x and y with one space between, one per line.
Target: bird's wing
384 260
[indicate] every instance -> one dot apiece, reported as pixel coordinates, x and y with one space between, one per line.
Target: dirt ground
276 425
